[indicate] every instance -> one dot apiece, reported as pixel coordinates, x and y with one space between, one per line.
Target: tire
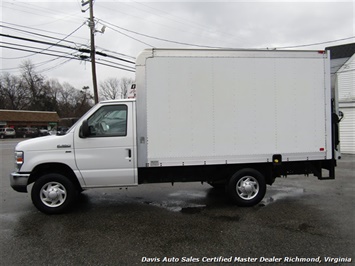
53 194
247 187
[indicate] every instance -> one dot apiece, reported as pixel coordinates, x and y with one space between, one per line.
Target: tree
126 84
34 85
72 102
110 89
31 91
13 94
53 91
113 88
84 101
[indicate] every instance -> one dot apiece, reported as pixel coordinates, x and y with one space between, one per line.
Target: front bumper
19 181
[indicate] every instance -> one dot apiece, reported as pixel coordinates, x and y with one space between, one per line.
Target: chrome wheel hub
247 187
53 194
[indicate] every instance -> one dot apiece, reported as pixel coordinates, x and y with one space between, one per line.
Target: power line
182 20
31 51
84 50
121 68
63 39
43 12
185 22
42 50
55 38
207 46
56 66
36 34
313 44
130 36
36 41
108 61
35 64
27 46
128 56
75 57
87 50
215 47
56 53
156 38
40 30
40 64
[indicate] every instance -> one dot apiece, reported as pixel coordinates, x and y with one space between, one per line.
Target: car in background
62 130
59 130
43 132
27 132
7 132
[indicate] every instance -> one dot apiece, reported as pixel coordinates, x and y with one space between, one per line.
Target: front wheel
53 193
247 187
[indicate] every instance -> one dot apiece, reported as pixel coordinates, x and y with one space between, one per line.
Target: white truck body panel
50 149
197 107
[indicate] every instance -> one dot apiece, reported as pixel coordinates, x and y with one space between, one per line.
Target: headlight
19 158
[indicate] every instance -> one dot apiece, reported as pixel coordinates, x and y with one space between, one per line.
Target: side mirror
84 129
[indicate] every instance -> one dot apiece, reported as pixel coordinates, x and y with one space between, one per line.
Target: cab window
109 121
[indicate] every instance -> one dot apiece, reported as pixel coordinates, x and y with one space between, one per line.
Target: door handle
129 153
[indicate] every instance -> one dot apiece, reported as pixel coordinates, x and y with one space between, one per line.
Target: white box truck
236 119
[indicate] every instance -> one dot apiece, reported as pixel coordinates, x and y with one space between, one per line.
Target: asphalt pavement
301 220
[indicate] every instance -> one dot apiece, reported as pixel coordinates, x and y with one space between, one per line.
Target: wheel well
58 168
264 169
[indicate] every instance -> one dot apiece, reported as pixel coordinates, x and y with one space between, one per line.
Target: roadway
300 218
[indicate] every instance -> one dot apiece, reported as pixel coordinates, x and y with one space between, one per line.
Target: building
343 78
37 119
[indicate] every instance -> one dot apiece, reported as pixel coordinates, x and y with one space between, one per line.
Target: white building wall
346 92
347 129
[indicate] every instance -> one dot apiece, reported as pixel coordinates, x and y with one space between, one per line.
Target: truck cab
98 151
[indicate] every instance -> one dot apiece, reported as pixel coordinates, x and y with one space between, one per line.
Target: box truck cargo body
217 107
236 119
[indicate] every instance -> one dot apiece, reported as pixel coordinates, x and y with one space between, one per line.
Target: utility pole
92 50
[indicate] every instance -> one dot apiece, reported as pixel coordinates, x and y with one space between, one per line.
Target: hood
52 142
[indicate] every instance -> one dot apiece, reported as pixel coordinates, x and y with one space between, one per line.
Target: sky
60 28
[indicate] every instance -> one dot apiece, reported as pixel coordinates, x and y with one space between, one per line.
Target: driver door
106 156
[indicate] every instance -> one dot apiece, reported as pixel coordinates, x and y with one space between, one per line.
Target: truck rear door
106 156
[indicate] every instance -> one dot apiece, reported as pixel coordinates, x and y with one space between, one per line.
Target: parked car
43 132
27 132
7 132
62 130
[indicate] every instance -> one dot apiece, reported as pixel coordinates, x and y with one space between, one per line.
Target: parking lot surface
301 220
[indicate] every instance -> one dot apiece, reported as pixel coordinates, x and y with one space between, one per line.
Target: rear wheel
246 187
53 193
